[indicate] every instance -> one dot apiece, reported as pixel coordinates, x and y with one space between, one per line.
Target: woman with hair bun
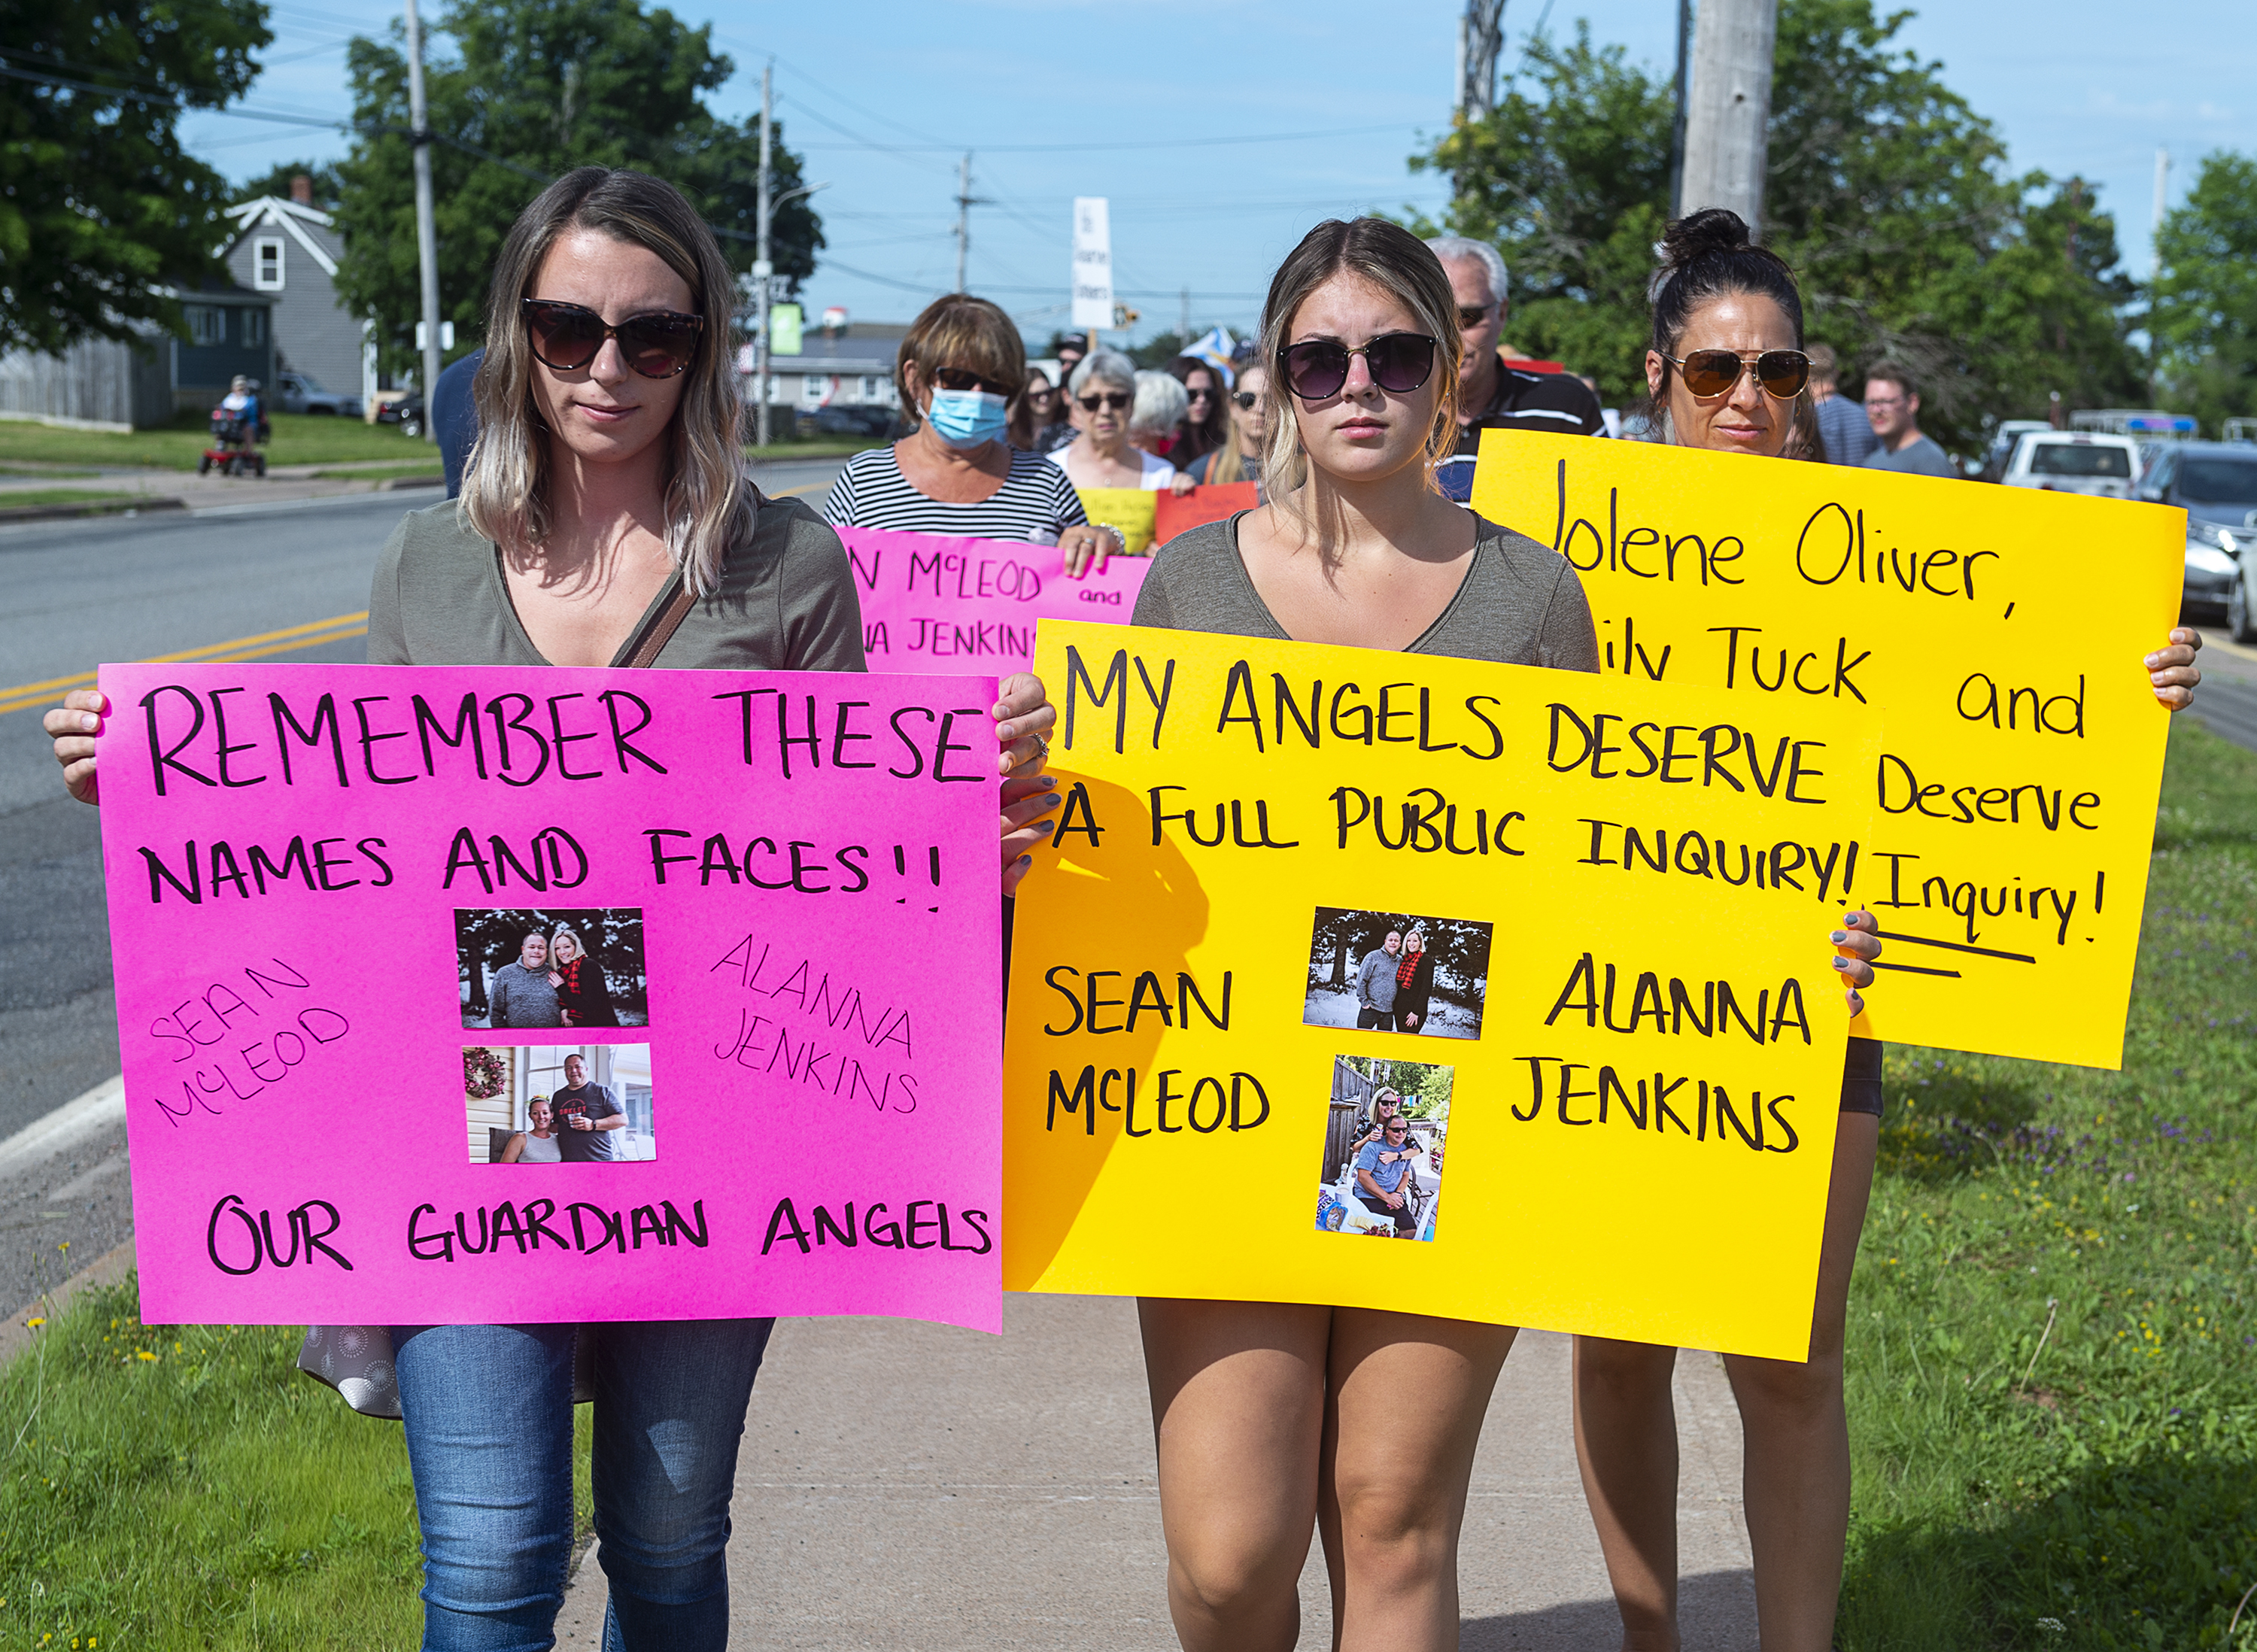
1727 371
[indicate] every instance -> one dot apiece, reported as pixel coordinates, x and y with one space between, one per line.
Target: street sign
787 323
446 335
1093 262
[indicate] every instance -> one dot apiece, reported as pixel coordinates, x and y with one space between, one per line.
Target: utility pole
2155 227
1481 37
426 237
762 268
1728 109
1184 326
965 202
1677 126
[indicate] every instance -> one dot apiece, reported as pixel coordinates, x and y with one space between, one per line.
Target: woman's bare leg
1407 1396
1797 1474
1626 1447
1238 1407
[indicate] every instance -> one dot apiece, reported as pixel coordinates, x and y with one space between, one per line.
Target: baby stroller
234 433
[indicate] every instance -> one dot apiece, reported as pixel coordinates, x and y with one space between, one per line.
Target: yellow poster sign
1133 510
1321 995
1998 630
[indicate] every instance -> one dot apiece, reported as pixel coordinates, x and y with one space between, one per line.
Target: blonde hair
1226 462
709 504
1401 265
566 931
959 330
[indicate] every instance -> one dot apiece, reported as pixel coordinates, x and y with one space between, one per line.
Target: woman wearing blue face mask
956 472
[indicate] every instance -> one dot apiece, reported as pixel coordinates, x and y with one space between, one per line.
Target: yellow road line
286 641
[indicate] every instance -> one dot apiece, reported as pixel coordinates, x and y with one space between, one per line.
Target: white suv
2074 462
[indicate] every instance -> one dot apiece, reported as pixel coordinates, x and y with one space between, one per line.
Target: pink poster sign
462 995
935 603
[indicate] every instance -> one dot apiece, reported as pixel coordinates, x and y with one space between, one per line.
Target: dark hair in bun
1706 255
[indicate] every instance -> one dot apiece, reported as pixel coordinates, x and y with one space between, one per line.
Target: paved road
72 594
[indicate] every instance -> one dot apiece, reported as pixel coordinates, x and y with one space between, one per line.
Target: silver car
2215 483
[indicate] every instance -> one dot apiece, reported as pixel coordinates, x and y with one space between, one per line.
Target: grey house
840 366
127 385
288 251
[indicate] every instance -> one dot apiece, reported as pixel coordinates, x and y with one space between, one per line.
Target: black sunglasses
1244 398
1711 373
1115 399
657 344
1474 314
964 379
1318 367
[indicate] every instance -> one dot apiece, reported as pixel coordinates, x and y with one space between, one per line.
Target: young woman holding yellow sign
1727 372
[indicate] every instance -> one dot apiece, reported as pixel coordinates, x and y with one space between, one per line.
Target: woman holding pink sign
605 519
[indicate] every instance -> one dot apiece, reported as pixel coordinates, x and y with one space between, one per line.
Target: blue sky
1056 98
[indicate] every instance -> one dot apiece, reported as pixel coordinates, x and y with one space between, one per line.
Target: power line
1157 142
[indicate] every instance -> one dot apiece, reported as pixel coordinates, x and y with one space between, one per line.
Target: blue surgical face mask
967 418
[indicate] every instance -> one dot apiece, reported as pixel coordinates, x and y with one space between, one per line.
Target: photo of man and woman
558 1104
1384 1134
1389 972
551 968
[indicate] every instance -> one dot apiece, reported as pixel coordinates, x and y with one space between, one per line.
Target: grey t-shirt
786 602
1920 457
1520 603
520 997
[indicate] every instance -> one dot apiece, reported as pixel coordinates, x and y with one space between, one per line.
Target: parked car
407 412
2215 483
2074 461
303 394
2002 445
847 421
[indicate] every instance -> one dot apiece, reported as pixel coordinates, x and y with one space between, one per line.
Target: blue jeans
489 1415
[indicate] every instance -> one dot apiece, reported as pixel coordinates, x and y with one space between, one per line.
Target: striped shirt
1035 502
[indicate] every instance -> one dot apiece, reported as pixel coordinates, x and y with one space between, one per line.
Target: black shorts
1405 1219
1861 1078
1382 1020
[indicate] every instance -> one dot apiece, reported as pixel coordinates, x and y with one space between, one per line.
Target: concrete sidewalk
921 1489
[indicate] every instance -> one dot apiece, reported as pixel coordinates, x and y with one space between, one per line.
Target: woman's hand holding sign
74 724
1857 943
1023 714
2172 668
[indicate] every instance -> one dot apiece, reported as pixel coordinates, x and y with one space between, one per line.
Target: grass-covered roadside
176 1487
2053 1333
39 498
299 439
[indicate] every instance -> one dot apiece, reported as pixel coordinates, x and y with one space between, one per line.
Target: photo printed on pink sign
458 995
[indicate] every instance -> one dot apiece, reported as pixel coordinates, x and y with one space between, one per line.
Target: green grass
430 467
299 439
177 1488
111 498
2091 1484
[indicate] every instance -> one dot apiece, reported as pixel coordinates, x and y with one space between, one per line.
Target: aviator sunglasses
1317 368
657 344
1711 373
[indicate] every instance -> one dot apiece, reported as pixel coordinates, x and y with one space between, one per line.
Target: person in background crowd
1156 416
520 994
958 366
1385 1104
1847 434
1206 419
1493 394
607 520
1239 458
1070 352
1032 410
455 416
1105 389
537 1145
1726 371
1892 409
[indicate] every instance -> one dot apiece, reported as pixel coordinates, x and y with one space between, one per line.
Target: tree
1885 191
100 209
540 87
276 181
2205 318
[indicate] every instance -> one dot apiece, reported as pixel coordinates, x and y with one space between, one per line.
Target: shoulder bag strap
661 632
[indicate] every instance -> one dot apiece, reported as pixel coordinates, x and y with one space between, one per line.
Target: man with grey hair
1493 394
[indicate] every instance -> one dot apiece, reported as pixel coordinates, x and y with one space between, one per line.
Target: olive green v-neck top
786 602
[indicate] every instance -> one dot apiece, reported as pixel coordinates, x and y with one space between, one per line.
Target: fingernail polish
1840 936
1049 780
